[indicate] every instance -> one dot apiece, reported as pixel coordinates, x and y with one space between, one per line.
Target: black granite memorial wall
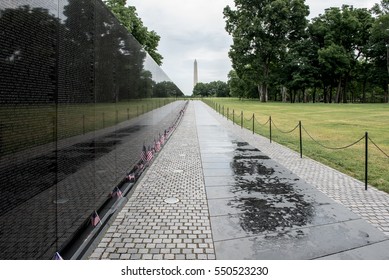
75 111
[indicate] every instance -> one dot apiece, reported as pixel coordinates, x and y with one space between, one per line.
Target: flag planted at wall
143 155
117 193
95 219
149 156
131 177
157 146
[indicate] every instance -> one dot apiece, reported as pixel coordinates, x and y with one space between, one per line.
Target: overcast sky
194 29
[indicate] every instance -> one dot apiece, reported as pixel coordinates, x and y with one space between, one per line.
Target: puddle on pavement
248 167
278 205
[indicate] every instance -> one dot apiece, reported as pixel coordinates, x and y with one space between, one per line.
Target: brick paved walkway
150 228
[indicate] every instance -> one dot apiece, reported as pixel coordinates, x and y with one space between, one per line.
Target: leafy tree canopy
215 88
341 55
129 18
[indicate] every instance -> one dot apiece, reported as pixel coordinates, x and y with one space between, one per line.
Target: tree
239 87
200 89
297 71
262 32
235 84
129 18
215 88
342 38
167 89
379 46
219 89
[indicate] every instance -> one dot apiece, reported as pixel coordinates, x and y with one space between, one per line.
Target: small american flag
131 177
157 146
149 154
58 257
162 139
95 219
117 193
143 155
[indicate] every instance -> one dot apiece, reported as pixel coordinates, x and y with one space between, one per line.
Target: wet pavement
261 210
257 208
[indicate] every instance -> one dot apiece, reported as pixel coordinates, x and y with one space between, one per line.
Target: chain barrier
333 148
301 127
248 120
378 148
285 132
264 123
235 118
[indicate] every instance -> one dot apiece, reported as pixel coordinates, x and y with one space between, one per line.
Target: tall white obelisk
195 74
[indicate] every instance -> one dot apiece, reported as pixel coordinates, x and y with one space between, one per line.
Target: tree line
214 89
278 54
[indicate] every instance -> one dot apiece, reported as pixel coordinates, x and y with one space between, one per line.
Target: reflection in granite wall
75 111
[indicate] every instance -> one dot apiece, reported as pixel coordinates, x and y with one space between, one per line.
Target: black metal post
103 120
253 123
223 110
233 116
366 158
270 127
83 124
241 119
301 141
55 129
117 116
128 113
228 113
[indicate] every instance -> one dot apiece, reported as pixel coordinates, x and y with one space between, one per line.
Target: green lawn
332 125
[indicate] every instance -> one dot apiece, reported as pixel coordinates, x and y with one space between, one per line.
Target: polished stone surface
306 243
375 251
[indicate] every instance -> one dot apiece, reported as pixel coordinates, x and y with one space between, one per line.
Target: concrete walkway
239 199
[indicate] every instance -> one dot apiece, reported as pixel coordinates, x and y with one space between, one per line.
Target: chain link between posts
236 118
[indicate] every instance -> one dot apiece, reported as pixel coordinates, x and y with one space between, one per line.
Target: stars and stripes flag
170 131
157 146
149 155
58 257
95 219
117 193
143 155
167 132
131 177
162 139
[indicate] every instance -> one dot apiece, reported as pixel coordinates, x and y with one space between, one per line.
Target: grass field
332 125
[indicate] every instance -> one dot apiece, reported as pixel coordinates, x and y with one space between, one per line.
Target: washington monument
195 75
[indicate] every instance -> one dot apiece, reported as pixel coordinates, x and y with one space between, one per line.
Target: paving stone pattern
372 205
149 228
